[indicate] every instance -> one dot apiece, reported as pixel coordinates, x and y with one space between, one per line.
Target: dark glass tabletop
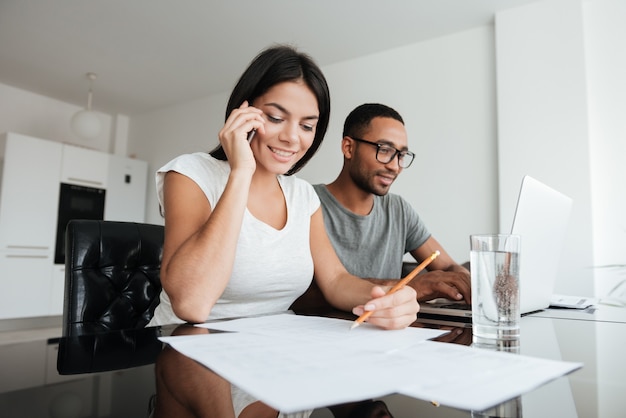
596 390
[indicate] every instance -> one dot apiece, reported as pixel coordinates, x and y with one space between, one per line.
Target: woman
243 236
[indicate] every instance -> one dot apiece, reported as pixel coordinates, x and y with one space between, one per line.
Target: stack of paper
295 363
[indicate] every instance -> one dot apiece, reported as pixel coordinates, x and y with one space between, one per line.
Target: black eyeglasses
386 153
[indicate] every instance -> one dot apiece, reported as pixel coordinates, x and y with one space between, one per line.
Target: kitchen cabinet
29 192
84 167
31 173
26 284
126 189
57 290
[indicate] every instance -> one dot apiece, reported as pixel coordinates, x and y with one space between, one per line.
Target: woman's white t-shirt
272 267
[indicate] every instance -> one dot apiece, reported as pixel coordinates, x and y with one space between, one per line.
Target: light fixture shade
86 124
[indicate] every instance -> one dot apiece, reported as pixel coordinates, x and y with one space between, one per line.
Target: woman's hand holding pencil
401 283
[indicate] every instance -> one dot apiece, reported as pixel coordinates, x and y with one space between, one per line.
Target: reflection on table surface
596 390
596 313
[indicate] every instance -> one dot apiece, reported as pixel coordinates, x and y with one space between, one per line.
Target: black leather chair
112 275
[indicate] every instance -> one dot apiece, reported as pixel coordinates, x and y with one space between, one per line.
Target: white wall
542 121
605 33
445 91
561 101
35 115
606 85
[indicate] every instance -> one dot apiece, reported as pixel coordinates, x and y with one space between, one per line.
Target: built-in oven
76 202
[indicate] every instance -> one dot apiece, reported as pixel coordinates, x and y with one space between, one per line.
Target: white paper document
296 363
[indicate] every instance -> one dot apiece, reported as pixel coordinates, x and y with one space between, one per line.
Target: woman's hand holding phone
236 134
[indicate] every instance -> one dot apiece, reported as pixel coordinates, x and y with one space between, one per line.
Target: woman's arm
350 293
200 241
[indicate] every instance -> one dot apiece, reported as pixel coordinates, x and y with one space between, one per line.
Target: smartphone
251 134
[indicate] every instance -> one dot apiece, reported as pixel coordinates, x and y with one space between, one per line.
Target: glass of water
494 264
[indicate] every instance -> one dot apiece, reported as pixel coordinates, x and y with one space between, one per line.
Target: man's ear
347 147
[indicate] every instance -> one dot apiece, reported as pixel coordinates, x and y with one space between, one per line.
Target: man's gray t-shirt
373 246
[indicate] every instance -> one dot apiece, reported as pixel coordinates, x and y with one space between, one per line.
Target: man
370 228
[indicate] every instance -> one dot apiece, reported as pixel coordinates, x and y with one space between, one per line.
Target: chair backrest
112 275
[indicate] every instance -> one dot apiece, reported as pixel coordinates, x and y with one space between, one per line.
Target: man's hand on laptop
443 284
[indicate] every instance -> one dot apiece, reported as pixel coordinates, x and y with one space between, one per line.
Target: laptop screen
541 219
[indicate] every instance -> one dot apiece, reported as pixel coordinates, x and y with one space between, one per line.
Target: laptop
541 219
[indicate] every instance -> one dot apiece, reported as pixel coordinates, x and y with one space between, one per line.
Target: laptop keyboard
459 306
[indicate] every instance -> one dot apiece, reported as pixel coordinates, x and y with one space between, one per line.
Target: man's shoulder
395 204
322 191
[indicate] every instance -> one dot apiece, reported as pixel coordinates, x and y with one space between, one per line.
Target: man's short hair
358 120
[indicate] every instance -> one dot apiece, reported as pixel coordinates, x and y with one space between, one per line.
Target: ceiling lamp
86 123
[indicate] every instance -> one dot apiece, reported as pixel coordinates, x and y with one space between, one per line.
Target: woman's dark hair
273 66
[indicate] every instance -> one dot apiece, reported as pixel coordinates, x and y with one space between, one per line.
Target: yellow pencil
399 285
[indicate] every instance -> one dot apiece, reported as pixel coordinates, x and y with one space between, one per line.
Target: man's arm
444 278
